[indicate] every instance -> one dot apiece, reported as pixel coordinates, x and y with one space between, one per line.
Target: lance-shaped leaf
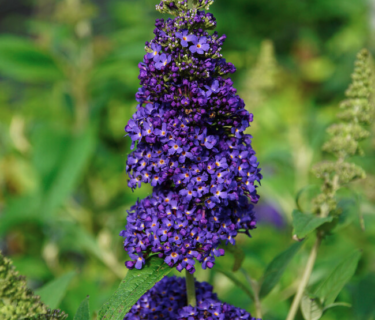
305 223
83 312
237 282
337 304
329 289
238 254
53 292
311 308
135 284
22 60
75 159
276 268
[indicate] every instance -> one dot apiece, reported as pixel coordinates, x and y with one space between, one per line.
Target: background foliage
68 76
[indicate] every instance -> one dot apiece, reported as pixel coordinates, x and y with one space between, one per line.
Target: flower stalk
190 290
305 279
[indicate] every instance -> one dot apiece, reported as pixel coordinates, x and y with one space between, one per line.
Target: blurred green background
68 76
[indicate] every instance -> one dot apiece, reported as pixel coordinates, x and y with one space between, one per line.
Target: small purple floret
199 46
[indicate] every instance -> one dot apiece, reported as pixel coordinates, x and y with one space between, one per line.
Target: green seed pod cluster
261 79
19 302
355 113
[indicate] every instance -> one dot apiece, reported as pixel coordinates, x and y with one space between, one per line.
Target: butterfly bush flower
155 52
190 145
167 300
199 46
185 37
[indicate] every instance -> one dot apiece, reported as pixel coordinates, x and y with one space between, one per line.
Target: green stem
190 290
258 305
255 288
305 279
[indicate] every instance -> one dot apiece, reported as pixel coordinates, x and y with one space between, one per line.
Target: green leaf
22 60
237 282
337 304
19 210
305 223
73 163
349 209
304 196
49 149
329 289
135 284
238 254
83 312
311 308
60 160
53 292
364 297
276 268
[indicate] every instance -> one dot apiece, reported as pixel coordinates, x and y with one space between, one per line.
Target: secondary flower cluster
167 301
179 233
189 133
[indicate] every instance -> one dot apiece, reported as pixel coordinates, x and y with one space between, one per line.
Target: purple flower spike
199 46
189 130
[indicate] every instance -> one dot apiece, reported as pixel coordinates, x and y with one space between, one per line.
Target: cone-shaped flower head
356 113
19 302
190 145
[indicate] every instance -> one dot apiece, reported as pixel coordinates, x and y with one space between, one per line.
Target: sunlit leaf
135 284
329 289
53 292
305 223
276 268
311 308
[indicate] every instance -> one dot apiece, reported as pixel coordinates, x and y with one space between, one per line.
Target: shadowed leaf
74 161
276 268
238 254
237 282
340 275
20 59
